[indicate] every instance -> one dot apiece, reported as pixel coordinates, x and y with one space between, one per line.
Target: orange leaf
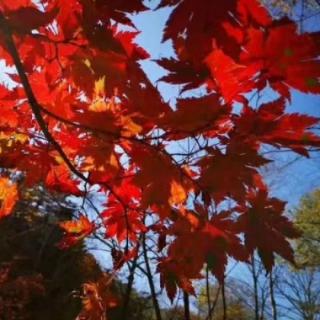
8 196
75 230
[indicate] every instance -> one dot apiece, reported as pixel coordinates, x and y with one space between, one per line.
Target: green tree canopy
307 219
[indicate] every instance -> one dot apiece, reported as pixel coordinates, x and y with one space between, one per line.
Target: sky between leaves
289 182
291 178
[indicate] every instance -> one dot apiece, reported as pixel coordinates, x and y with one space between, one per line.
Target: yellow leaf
129 127
20 137
8 196
98 105
178 193
99 87
13 137
87 62
99 101
59 159
82 225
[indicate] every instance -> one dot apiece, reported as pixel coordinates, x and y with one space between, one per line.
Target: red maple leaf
266 228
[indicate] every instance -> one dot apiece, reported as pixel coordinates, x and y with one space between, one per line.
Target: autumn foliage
85 119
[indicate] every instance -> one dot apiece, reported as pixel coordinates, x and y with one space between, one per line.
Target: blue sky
291 176
288 182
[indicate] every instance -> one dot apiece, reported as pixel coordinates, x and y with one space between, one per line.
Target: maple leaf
99 157
118 9
269 124
195 33
141 95
265 227
131 48
229 174
199 242
33 161
231 79
75 230
199 27
192 28
183 73
68 18
195 116
9 116
59 179
122 217
121 222
252 11
171 278
8 196
120 121
90 65
282 58
26 19
171 187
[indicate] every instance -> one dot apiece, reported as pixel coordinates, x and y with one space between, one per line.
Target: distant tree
298 287
237 306
298 293
178 314
39 278
287 7
307 220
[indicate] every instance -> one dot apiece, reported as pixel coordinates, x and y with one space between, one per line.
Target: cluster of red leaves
85 115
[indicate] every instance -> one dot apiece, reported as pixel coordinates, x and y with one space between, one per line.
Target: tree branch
35 106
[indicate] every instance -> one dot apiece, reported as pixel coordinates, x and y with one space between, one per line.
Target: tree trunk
150 280
273 300
255 289
224 301
127 295
186 303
